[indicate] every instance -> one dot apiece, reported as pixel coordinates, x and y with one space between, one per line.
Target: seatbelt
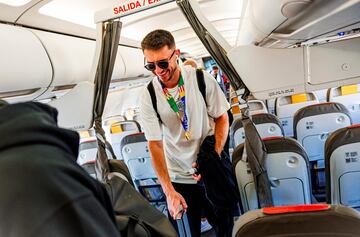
256 155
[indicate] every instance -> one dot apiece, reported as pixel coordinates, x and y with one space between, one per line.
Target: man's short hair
215 67
157 39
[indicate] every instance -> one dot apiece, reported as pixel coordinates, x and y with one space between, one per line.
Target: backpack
202 88
134 216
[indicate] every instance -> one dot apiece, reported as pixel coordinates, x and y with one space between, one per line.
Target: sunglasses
163 64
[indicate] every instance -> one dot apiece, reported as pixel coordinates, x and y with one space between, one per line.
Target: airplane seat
348 96
288 170
117 168
135 151
342 167
312 126
255 107
286 106
86 159
87 151
270 105
268 125
322 220
118 131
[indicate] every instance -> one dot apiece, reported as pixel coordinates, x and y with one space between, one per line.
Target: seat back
136 155
319 220
118 131
117 168
87 151
342 167
313 124
287 168
348 96
268 125
286 107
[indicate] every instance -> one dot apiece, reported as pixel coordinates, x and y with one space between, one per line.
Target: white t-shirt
179 152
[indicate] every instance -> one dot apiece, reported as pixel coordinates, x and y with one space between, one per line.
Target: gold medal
188 135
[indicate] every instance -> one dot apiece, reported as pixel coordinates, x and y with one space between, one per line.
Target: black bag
135 217
217 176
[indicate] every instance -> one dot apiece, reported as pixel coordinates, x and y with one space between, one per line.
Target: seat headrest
348 90
306 220
299 98
257 119
133 138
318 109
273 145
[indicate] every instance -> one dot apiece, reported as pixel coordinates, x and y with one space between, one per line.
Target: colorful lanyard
174 106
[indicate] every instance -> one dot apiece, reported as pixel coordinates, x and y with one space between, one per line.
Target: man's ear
177 53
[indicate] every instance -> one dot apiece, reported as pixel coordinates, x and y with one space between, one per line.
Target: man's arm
221 132
173 198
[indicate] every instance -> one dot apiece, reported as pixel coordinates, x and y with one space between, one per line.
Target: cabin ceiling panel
77 18
69 17
10 10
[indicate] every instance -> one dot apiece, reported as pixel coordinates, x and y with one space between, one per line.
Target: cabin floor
210 233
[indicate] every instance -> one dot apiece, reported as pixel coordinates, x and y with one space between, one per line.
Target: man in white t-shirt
186 121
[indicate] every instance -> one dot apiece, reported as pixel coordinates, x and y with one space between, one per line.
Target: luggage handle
183 224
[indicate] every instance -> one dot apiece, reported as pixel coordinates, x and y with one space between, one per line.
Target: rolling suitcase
183 226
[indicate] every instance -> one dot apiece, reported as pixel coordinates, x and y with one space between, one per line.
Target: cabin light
78 12
15 3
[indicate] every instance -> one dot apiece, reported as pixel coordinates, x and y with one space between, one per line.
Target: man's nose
158 70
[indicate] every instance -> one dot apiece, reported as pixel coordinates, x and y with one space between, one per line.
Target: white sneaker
205 226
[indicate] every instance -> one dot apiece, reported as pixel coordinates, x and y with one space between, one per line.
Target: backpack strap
151 90
201 83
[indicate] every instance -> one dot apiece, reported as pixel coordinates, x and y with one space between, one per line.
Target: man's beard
171 74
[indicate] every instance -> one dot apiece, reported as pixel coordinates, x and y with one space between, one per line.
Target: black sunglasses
163 64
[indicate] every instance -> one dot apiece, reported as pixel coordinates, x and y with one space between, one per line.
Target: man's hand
218 151
221 132
197 177
174 202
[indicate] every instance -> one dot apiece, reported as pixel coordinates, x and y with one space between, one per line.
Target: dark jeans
220 219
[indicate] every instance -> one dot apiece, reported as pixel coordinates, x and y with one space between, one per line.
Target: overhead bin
134 62
24 62
79 99
270 73
71 57
282 23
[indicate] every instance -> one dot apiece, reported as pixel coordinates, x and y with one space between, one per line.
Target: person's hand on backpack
196 176
176 204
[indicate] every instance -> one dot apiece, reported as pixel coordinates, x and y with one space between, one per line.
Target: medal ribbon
175 108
